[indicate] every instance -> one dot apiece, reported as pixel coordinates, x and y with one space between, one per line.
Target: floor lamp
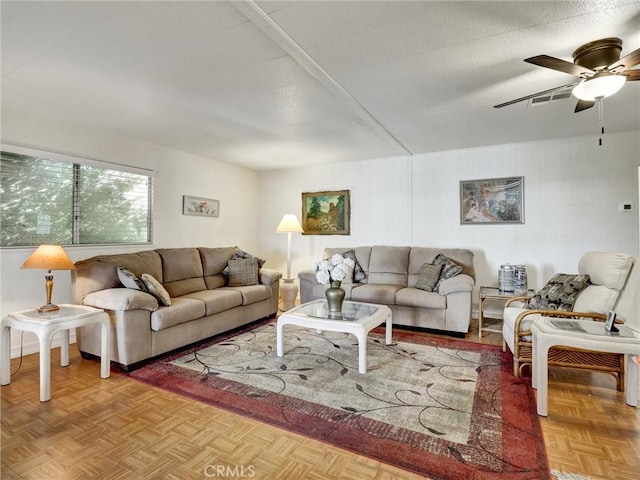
289 290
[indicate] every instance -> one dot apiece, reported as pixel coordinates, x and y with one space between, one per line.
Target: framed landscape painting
204 207
326 213
493 200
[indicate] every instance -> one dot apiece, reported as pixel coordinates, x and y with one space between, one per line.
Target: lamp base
48 308
288 293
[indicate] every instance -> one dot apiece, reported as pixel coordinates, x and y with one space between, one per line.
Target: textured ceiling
281 84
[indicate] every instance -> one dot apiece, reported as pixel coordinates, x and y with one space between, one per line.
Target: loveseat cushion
182 310
414 297
217 300
389 266
181 271
375 293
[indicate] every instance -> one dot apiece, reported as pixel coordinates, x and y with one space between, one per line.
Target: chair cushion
429 276
596 298
608 269
509 316
560 293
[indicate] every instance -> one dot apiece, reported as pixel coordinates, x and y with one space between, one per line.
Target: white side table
45 326
588 335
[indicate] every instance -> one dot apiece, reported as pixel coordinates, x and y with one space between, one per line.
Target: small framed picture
204 207
609 325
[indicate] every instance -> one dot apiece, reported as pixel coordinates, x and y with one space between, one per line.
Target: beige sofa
391 276
202 305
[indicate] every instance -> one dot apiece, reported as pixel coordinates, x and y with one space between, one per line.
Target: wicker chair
614 286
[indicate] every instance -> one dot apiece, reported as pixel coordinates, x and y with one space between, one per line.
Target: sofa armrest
121 299
459 283
269 276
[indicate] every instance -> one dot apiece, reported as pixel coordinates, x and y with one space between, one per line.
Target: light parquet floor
118 428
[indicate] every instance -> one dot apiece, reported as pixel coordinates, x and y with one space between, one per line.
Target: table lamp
49 257
289 290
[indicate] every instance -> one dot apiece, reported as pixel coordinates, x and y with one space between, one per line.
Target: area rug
445 409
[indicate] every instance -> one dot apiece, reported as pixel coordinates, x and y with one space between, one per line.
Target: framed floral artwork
326 213
491 201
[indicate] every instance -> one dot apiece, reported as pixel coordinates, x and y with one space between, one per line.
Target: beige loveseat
202 303
391 275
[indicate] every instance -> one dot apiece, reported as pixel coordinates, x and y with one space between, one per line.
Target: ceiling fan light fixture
599 87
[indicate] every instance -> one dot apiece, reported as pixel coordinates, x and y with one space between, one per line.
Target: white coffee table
356 318
588 335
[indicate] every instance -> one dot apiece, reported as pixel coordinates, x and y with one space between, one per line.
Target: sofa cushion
429 276
376 293
214 261
389 265
155 288
253 293
181 271
449 268
217 300
243 272
560 293
130 279
414 297
182 310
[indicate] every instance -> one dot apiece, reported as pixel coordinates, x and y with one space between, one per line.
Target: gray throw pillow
243 272
241 254
429 276
358 272
560 293
155 288
130 279
449 269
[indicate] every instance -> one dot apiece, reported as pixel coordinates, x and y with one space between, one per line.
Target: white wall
177 174
572 190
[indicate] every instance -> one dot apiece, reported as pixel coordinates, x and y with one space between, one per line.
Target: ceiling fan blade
627 61
583 105
534 95
632 75
560 65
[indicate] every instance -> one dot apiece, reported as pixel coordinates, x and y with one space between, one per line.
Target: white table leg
362 351
388 331
64 348
45 366
631 379
5 356
279 340
105 362
534 367
543 378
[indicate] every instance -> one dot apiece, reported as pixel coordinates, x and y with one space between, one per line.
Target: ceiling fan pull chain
601 119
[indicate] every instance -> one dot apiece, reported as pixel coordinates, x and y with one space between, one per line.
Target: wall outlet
625 206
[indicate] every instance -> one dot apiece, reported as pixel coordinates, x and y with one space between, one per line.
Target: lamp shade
49 257
599 87
289 223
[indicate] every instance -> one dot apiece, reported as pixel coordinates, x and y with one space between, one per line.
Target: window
50 198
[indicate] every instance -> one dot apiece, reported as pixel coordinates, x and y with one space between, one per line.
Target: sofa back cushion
214 261
101 272
181 271
421 255
389 265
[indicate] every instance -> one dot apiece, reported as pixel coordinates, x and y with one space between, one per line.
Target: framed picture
609 325
494 200
326 213
204 207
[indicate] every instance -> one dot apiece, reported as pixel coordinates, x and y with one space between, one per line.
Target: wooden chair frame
612 363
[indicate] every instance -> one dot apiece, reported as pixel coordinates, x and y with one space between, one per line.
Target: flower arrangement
334 269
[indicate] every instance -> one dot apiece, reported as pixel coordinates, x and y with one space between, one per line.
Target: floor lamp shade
49 257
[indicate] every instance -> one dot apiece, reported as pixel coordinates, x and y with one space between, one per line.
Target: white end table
357 318
45 326
588 335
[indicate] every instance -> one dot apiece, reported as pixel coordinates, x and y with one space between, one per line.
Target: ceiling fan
600 71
